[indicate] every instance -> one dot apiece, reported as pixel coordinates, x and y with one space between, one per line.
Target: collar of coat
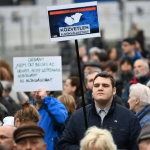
112 107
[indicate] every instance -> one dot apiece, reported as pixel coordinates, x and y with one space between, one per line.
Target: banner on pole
32 73
74 21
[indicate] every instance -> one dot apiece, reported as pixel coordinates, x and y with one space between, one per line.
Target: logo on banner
73 19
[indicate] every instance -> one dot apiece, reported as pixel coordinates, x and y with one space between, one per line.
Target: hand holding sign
39 95
42 93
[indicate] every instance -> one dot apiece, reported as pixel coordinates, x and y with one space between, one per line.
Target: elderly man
144 138
141 75
89 77
30 138
6 137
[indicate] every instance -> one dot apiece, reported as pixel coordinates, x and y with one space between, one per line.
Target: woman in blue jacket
139 101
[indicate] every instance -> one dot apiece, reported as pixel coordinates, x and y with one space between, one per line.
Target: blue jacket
142 80
120 121
137 56
144 115
59 111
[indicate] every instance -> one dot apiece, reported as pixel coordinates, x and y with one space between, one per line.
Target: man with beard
141 75
103 113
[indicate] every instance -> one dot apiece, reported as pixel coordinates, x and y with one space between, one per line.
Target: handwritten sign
73 21
32 73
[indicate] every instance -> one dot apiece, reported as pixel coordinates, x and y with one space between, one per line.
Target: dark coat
143 80
88 100
121 122
4 102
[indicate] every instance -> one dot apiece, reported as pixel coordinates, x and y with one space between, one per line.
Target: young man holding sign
53 115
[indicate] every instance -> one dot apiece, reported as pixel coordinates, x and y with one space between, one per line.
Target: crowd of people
117 104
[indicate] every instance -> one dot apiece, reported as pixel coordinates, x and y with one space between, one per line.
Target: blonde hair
142 92
99 139
68 101
28 113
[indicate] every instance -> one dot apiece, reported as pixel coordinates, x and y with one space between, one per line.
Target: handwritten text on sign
31 73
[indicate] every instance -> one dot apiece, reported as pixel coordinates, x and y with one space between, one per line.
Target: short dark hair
131 41
112 65
126 60
106 75
103 56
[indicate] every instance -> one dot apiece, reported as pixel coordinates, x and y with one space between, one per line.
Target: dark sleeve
7 105
125 94
135 129
69 139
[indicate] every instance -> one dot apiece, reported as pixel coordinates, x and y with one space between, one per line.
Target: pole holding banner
72 22
80 76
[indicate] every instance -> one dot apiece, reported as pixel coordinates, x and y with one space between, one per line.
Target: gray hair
97 138
95 49
144 62
142 92
98 70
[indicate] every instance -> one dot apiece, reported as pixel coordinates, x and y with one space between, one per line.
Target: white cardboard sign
32 73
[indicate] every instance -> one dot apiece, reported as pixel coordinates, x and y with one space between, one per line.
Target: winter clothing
87 97
144 115
137 56
121 122
142 80
145 133
60 113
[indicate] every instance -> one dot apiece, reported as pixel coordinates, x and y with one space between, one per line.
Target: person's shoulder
124 110
80 110
49 100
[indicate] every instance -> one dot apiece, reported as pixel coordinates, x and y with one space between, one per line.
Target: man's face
103 90
140 69
33 143
6 137
144 145
127 48
90 78
36 96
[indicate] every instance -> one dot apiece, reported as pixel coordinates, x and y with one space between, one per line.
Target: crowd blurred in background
127 60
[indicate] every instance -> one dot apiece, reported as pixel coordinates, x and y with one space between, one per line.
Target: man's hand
39 95
42 93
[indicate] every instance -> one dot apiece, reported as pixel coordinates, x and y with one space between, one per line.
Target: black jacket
8 106
121 122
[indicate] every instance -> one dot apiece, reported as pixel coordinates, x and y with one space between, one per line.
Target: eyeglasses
3 137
